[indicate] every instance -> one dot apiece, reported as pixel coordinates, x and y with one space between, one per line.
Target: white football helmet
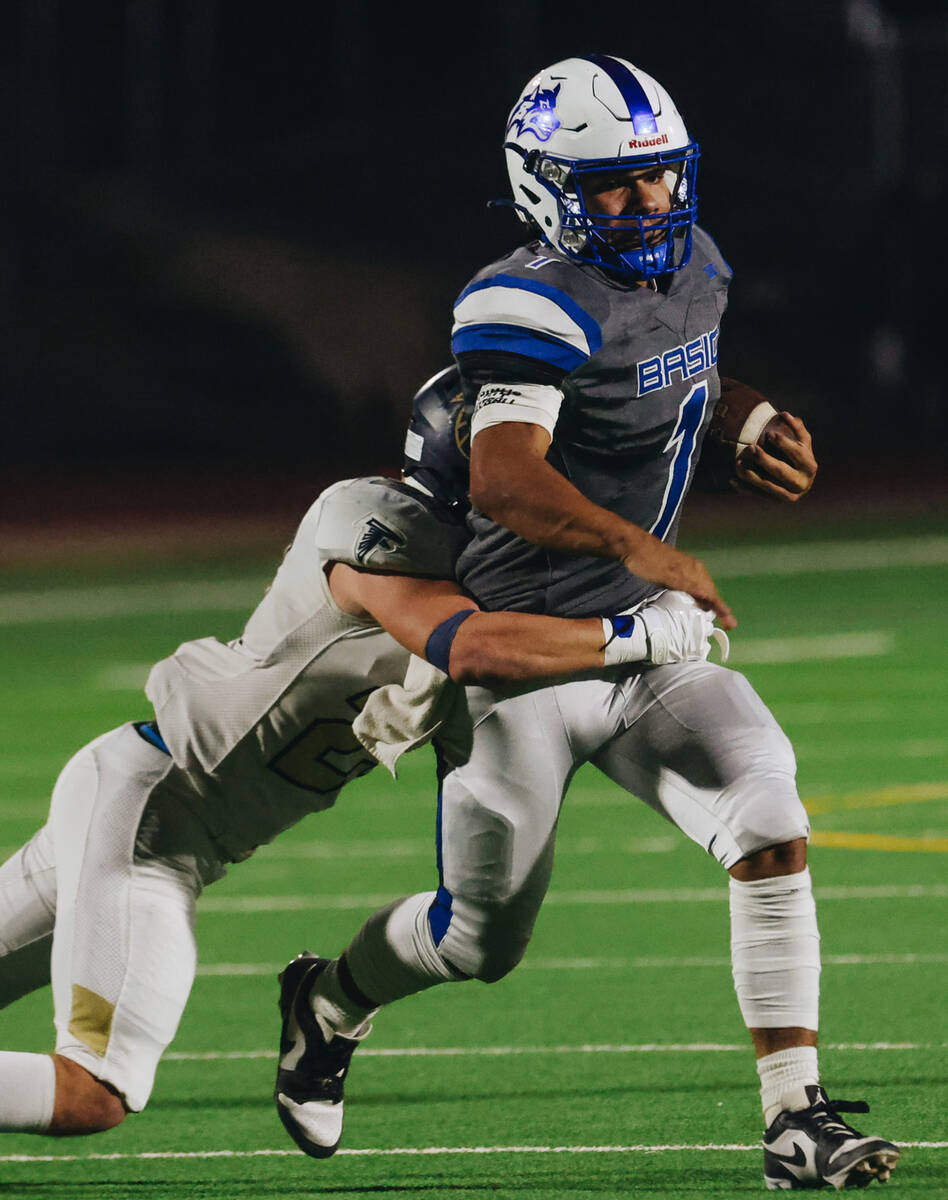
593 115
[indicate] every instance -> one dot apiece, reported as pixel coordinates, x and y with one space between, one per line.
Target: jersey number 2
682 440
323 758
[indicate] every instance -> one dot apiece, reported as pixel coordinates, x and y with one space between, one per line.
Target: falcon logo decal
535 114
374 535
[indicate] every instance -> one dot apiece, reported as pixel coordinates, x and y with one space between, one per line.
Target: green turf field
613 1061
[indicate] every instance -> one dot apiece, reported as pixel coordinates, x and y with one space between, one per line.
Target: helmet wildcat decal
535 114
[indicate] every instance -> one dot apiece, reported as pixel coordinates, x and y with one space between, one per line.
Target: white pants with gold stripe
116 872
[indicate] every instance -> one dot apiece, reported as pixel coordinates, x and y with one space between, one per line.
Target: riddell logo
641 143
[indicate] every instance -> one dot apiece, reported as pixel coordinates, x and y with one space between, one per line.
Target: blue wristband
438 646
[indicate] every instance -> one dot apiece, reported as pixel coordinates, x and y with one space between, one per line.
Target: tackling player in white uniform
249 737
589 356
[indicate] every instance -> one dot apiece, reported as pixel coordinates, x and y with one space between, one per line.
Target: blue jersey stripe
439 911
582 318
514 339
640 110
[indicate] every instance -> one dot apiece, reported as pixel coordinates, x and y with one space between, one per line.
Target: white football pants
693 740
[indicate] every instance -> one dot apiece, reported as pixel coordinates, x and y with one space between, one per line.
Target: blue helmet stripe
643 119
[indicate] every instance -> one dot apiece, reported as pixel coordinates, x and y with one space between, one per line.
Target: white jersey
260 728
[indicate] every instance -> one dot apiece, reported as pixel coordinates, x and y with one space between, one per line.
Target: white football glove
671 629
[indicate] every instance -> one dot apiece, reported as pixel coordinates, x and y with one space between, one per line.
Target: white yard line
131 600
122 676
261 904
807 558
880 747
415 1152
235 595
854 712
819 646
422 847
516 1051
270 861
131 676
237 970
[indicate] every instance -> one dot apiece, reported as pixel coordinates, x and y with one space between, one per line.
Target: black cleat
813 1148
312 1068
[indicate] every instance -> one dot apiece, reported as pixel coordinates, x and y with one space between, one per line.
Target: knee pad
761 805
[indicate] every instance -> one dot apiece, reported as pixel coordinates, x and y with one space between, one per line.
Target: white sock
784 1077
775 951
394 954
27 1092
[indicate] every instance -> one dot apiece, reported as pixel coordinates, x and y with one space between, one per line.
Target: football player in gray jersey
589 358
249 736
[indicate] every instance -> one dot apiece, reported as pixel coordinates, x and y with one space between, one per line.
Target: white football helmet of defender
596 114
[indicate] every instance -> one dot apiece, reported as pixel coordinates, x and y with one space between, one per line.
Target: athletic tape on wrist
438 646
624 640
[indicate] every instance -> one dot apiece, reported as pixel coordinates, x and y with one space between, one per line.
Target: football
742 417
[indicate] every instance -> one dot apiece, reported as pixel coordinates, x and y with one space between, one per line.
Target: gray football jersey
260 728
639 381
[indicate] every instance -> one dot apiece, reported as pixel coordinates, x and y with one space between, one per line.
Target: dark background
232 233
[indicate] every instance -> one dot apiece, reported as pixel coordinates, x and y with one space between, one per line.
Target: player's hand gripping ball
743 420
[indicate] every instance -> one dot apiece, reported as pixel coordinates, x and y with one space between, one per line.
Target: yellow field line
905 793
842 840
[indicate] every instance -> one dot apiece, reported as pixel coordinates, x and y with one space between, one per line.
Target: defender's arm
497 648
488 648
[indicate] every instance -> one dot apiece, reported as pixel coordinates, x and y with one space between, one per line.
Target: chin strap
521 212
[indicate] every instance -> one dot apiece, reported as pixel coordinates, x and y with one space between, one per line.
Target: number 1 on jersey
683 439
